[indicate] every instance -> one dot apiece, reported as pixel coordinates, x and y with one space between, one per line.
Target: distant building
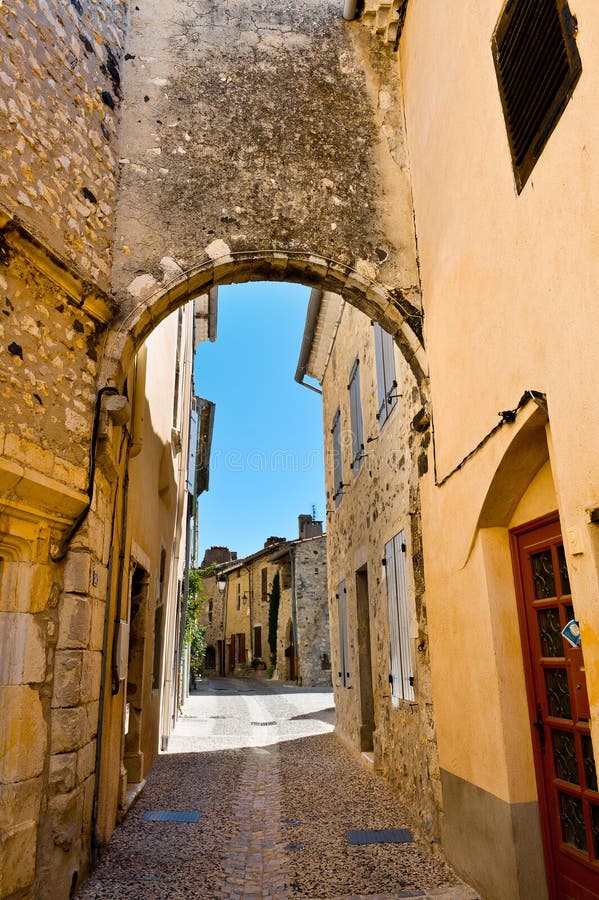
237 614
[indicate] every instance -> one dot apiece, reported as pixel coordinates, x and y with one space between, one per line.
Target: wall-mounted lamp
221 583
245 597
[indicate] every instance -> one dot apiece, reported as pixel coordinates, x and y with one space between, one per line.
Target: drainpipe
349 9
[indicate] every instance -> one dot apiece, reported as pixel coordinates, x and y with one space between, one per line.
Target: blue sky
267 458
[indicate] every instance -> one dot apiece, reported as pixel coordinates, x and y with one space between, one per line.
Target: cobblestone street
277 794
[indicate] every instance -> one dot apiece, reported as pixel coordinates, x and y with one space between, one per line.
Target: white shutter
399 619
395 673
403 613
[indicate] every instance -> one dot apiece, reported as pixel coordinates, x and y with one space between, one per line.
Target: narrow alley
277 796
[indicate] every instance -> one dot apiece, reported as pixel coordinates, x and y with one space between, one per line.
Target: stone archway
150 301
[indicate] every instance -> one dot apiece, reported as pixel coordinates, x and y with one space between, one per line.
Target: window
239 651
238 595
355 407
264 575
384 351
402 672
258 641
537 65
343 635
337 462
210 609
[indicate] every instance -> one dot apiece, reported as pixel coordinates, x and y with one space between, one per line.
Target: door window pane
558 694
589 762
572 821
552 643
543 575
563 571
564 756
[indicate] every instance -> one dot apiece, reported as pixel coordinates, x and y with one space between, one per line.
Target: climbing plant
194 632
273 618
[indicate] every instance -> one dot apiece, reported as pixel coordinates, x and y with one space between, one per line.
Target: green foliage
273 618
194 632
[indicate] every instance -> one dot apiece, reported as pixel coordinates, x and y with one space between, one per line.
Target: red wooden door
559 707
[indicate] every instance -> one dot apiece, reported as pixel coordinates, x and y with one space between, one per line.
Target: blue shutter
380 373
193 449
357 428
337 462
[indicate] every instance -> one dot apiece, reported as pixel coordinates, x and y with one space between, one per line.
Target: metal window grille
537 65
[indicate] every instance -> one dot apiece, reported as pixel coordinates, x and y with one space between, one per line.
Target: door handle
540 726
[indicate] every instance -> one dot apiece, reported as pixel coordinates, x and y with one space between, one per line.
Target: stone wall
312 612
59 107
216 95
379 500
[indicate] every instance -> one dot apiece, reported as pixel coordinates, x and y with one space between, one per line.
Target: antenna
314 512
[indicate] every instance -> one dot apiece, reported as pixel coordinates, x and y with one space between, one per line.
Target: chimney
308 527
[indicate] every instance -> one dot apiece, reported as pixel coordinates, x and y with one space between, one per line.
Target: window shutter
396 680
407 671
337 463
258 641
356 418
242 648
380 373
537 65
389 361
343 635
402 671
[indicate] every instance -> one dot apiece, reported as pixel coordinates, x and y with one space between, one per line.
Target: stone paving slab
274 819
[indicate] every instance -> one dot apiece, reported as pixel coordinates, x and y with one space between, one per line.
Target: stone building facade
372 497
237 615
303 637
131 180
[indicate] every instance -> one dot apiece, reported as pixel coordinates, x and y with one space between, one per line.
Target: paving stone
244 846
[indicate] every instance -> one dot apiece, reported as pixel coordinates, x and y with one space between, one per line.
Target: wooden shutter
384 347
343 634
390 382
337 466
537 65
232 653
357 429
258 639
402 672
380 373
242 648
264 585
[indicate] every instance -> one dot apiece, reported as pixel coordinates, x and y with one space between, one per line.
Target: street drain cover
263 723
170 815
382 836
